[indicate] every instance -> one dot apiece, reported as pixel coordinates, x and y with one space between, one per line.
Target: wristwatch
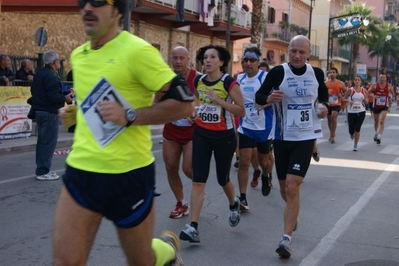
130 116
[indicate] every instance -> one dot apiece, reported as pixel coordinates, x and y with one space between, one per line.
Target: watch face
130 114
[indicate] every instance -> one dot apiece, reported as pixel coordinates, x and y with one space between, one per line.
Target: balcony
163 13
344 54
275 33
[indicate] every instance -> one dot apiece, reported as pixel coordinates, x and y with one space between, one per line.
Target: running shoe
352 136
244 205
255 177
172 239
331 140
378 141
283 248
234 215
48 177
355 147
190 234
180 210
236 164
375 137
265 186
316 156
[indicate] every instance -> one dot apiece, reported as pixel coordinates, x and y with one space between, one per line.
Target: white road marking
314 257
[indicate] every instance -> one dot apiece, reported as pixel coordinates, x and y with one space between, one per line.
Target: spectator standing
178 136
214 134
110 171
25 73
6 74
294 88
47 98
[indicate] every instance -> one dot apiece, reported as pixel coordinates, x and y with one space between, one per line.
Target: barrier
13 112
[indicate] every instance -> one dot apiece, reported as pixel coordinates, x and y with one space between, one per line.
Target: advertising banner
346 25
362 70
13 113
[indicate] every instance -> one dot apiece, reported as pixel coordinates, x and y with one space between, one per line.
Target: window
271 15
285 17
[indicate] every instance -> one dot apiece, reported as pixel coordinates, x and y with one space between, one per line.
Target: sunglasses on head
252 60
95 3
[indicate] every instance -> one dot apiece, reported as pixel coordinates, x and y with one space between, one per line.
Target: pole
228 25
127 16
329 44
376 67
310 17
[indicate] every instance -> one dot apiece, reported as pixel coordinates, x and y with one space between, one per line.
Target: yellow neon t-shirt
137 70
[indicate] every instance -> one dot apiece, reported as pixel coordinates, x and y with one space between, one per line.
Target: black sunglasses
252 60
95 3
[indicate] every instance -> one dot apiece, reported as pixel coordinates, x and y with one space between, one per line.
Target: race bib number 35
299 116
104 132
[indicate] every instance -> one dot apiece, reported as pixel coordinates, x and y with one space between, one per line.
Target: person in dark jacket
6 74
24 74
47 98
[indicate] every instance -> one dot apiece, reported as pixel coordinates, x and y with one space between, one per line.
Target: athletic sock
287 236
243 196
164 252
195 225
234 207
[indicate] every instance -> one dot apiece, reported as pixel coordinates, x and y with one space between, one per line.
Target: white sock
287 236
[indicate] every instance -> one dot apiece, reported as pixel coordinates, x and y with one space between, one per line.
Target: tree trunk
384 64
256 21
355 54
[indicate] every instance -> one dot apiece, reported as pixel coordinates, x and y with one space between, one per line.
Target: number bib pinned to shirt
103 131
299 116
210 113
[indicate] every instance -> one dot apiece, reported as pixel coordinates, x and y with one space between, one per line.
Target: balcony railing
344 54
238 16
276 32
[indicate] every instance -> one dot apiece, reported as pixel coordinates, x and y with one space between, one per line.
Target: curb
64 141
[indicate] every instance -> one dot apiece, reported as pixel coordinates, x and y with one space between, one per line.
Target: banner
13 113
362 70
346 25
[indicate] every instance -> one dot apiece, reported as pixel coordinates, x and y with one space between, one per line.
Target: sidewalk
64 141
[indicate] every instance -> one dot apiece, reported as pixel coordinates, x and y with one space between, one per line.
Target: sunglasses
95 3
252 60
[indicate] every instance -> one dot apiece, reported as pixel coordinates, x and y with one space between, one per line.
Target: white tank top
358 101
296 116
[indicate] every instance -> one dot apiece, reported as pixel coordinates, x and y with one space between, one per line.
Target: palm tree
257 6
385 44
366 32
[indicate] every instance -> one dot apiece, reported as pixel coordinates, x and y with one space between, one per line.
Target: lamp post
310 16
387 38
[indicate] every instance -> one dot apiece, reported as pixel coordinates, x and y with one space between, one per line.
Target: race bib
356 106
210 113
104 132
299 116
251 112
380 100
333 99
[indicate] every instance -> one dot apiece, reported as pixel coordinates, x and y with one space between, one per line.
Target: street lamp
387 38
310 16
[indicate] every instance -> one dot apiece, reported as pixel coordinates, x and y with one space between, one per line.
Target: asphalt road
349 211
